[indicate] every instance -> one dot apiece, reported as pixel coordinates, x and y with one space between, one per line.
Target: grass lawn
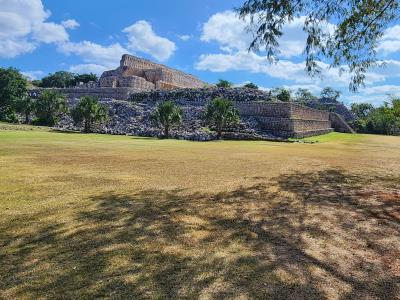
89 216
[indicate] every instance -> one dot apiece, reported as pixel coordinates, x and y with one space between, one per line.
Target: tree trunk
219 131
27 117
166 131
87 127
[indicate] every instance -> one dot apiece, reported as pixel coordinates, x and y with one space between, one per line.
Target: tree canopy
222 83
251 85
167 115
89 111
64 79
49 107
281 94
220 113
343 33
13 86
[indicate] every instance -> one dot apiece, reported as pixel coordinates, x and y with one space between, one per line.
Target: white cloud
184 37
10 48
92 53
231 34
226 29
23 27
390 42
50 33
142 38
88 68
33 75
70 24
283 69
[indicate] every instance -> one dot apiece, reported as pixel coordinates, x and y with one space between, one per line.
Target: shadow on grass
315 236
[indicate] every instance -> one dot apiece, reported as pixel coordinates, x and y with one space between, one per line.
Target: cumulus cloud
231 34
390 42
142 38
98 58
70 24
283 69
23 27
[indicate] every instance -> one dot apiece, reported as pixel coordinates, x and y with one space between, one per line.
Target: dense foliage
251 85
13 86
25 106
167 115
381 120
349 40
222 83
220 113
63 79
49 107
281 94
89 111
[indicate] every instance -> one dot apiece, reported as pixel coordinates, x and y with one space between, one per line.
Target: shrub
220 113
49 107
167 115
88 111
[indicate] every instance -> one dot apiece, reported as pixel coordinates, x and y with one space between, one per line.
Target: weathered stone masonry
142 84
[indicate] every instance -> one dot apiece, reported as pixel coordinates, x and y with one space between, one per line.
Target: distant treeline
16 105
64 79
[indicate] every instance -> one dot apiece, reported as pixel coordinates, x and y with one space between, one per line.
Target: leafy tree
330 93
251 85
85 78
167 115
361 110
60 79
89 111
352 42
49 107
220 113
382 120
304 96
25 106
13 86
282 94
224 83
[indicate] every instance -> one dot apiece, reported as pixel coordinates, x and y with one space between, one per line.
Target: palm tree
89 111
167 115
220 113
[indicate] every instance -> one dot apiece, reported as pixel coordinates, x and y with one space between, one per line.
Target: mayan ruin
143 75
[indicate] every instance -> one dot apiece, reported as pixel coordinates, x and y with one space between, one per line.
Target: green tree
361 110
89 111
220 113
13 86
60 79
85 78
224 83
330 93
167 115
49 107
25 106
304 95
282 94
352 41
251 85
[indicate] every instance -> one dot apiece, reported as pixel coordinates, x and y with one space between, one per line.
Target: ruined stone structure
133 90
143 75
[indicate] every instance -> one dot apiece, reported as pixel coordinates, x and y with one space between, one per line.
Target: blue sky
204 38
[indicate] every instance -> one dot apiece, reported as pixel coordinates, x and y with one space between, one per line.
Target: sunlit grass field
100 216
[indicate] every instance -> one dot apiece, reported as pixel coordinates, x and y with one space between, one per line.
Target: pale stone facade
143 75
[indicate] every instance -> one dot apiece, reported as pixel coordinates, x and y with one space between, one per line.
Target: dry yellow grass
87 216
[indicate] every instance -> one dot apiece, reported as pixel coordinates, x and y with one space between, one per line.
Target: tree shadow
298 236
